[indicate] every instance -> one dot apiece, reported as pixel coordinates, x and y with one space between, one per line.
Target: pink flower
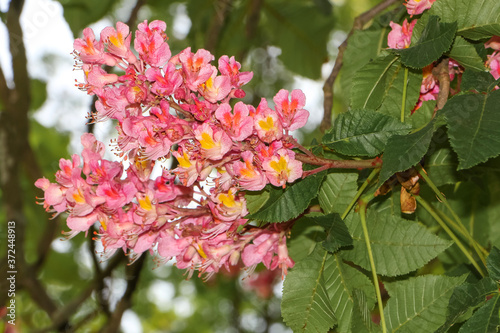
98 77
282 168
150 43
416 7
291 112
238 125
230 67
164 85
400 36
267 123
196 67
229 206
215 143
250 177
91 51
493 43
215 88
118 41
493 64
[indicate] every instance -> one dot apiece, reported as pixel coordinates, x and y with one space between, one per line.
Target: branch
132 273
135 11
359 22
326 163
4 89
222 9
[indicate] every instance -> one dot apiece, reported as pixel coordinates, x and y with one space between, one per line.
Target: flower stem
428 207
368 180
403 103
458 225
363 202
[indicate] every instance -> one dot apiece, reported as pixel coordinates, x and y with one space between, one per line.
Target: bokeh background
65 285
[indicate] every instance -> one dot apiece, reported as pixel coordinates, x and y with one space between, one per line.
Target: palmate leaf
286 204
399 246
337 191
372 42
477 81
340 281
475 19
393 97
493 264
405 151
337 234
435 39
464 297
305 306
473 123
419 304
362 132
485 320
361 321
369 84
441 164
466 55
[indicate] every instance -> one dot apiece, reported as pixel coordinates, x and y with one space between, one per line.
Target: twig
222 9
135 11
339 164
132 275
359 22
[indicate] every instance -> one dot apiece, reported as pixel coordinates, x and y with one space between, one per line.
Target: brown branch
358 24
135 11
4 88
222 9
326 163
443 76
132 273
64 313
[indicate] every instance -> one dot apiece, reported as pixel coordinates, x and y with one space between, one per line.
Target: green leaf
477 81
399 246
369 84
465 297
304 238
362 132
422 116
361 321
337 233
38 93
286 204
337 191
372 42
303 46
393 97
436 39
305 306
473 125
256 200
441 163
485 320
466 55
419 304
493 263
340 281
475 19
94 10
405 151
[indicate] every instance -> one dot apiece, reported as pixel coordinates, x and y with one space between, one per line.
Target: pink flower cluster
493 62
177 106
